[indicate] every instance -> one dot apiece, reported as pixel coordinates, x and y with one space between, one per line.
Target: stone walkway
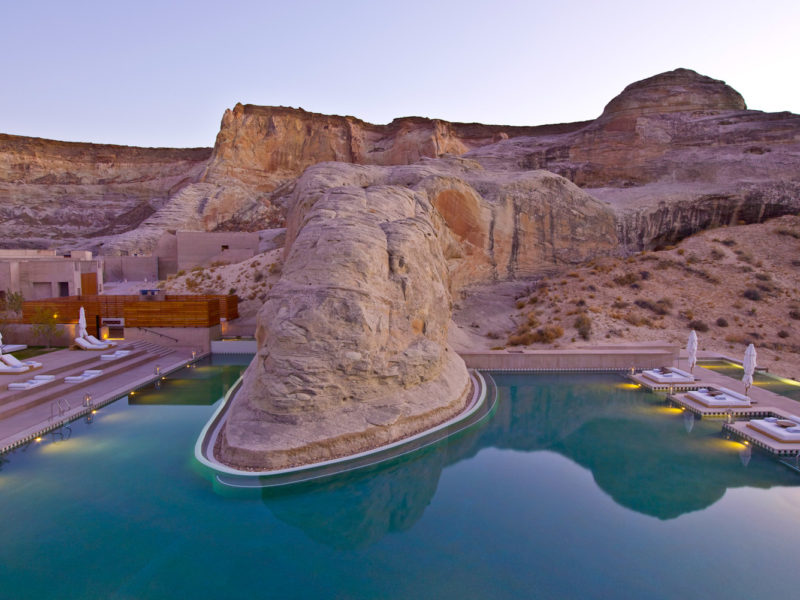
27 414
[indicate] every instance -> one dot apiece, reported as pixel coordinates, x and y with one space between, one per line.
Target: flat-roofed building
38 274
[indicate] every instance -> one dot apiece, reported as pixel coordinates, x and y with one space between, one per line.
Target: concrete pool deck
27 414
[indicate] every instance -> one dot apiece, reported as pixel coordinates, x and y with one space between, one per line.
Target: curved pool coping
293 475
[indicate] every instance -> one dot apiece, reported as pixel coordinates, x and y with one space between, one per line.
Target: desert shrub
681 251
794 314
698 325
763 276
620 304
692 258
231 291
752 294
789 232
520 303
796 263
716 254
584 326
645 275
728 242
533 299
722 322
548 333
532 320
657 307
637 320
783 333
258 276
274 268
493 335
626 279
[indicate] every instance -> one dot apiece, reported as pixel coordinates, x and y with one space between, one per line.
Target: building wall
199 248
130 268
40 278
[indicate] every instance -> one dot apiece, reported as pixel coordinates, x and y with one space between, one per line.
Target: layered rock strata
59 190
352 339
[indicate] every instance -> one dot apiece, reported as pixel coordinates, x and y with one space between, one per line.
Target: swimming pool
778 385
579 486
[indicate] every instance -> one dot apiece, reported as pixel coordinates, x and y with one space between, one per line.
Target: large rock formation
673 154
352 339
60 190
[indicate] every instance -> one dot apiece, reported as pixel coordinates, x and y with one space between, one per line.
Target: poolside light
38 439
94 412
194 354
157 370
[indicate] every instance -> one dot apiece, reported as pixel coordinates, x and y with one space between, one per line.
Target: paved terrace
26 414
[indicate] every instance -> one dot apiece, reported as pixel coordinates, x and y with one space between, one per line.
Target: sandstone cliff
352 339
673 154
51 191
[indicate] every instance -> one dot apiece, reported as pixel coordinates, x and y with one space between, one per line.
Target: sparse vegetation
583 324
698 325
722 322
752 294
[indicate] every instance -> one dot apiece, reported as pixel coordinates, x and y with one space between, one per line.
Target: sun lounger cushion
87 345
97 342
721 398
775 431
4 368
668 376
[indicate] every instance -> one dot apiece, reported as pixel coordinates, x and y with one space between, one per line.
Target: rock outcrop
672 154
352 339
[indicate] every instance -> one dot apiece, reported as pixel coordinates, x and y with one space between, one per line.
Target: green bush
584 326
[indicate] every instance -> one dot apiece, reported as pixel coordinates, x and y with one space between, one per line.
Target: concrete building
183 250
38 274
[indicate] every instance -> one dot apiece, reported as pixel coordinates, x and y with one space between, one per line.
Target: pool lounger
31 383
725 398
85 376
780 429
87 345
96 342
9 370
117 354
669 375
13 361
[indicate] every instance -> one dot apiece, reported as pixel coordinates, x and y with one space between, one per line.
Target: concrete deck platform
27 414
741 431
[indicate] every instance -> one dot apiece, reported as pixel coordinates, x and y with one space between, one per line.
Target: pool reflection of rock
646 460
360 508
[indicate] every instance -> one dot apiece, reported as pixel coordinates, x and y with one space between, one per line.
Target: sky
161 73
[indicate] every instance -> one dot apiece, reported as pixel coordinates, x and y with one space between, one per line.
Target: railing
164 335
60 406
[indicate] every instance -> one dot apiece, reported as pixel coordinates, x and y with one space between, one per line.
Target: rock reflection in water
637 452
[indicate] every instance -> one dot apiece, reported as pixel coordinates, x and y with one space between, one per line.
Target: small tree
14 301
44 325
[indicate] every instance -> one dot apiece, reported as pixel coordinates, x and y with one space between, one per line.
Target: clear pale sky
161 73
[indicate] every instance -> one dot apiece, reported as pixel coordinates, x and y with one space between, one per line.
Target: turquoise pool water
579 487
779 385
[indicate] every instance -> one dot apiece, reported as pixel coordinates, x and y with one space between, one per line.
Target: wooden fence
138 311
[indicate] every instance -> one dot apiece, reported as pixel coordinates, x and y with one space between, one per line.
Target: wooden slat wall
172 311
176 313
89 284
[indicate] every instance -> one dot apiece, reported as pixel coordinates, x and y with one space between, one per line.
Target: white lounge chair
87 345
9 348
86 375
13 361
117 354
4 368
31 383
719 398
97 342
668 375
782 429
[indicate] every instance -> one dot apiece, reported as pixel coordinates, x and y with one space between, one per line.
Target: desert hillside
734 285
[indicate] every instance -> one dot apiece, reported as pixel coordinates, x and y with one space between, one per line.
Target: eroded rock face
671 154
53 190
352 339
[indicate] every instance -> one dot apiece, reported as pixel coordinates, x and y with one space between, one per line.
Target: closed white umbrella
1 344
81 323
691 349
749 364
